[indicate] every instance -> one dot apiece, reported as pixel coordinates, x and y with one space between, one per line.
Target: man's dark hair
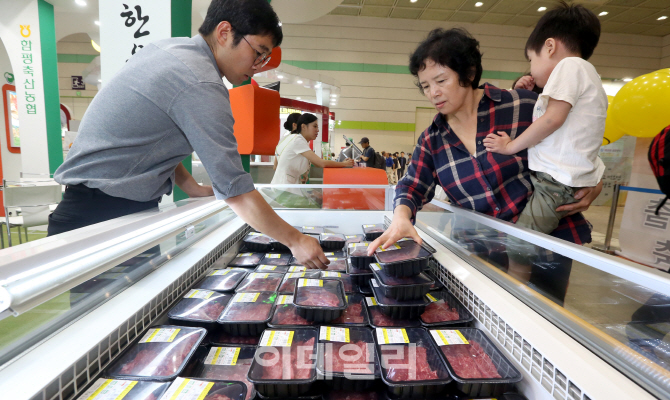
247 17
454 48
572 24
305 119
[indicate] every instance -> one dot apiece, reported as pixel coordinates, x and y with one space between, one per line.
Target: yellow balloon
641 107
612 132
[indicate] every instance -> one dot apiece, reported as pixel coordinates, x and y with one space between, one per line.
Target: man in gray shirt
167 101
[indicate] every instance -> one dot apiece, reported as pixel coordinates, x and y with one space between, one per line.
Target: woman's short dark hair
247 17
574 25
292 119
454 48
305 119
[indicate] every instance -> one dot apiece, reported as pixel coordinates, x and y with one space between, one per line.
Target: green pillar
50 80
181 26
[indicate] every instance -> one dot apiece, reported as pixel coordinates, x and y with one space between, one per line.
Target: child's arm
553 118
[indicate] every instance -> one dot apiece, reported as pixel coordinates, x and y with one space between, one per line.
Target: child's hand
526 82
498 143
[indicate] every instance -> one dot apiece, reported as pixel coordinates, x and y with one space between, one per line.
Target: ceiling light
97 23
479 4
280 76
542 9
412 1
100 80
603 13
627 79
81 3
333 95
661 18
299 82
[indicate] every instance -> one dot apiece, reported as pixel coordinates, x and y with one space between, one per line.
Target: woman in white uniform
293 155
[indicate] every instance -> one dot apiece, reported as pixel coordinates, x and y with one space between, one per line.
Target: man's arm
185 182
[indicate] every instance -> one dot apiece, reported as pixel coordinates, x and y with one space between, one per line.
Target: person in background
390 168
368 155
346 152
293 155
403 163
291 123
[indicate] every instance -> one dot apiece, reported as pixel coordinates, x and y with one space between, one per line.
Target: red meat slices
348 358
402 373
352 315
288 286
333 238
359 251
231 373
223 338
439 311
340 395
470 361
154 360
206 311
317 297
297 367
217 396
262 285
381 319
248 312
287 315
337 265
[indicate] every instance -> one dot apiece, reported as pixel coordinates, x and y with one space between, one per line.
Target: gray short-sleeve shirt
167 101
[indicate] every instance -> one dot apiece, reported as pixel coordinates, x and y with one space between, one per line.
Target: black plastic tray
380 320
276 259
288 283
247 327
198 368
373 231
320 313
313 230
358 256
199 311
437 285
349 285
350 380
482 387
140 391
364 284
408 288
409 259
186 337
257 242
277 386
278 269
279 247
234 390
247 286
464 316
395 309
414 388
222 280
332 241
246 260
355 302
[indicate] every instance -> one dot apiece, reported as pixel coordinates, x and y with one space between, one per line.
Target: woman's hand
586 196
525 82
401 227
347 163
498 143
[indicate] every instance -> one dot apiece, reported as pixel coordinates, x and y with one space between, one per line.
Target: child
568 119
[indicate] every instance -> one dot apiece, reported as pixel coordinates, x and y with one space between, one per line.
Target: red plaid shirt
491 183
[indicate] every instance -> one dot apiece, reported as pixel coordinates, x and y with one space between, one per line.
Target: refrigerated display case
577 324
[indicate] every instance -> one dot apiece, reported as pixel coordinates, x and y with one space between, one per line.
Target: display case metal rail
577 323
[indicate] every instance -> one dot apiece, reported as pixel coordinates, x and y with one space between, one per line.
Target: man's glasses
261 59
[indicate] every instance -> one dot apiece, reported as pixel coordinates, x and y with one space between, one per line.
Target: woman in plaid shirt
450 153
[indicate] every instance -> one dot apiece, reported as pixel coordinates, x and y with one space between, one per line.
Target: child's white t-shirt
570 154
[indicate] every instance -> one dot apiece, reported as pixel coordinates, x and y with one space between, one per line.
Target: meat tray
437 285
359 276
411 365
349 286
337 254
260 282
288 283
319 300
288 368
223 339
296 267
276 259
405 258
199 308
294 261
445 310
222 280
229 363
247 314
160 355
140 390
380 320
358 255
257 242
205 389
408 309
364 285
313 230
478 367
280 269
332 241
353 239
408 288
279 247
286 314
347 358
246 260
337 264
373 231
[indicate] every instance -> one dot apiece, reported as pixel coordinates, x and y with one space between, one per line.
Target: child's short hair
573 24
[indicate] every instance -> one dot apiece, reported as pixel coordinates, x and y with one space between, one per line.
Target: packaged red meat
373 231
199 306
296 268
276 259
443 310
313 230
364 284
258 242
111 389
380 320
248 313
280 269
406 288
222 280
290 279
437 285
160 354
358 256
332 241
347 353
260 282
286 314
319 300
246 260
337 264
223 339
284 363
345 278
294 261
410 362
396 309
227 363
336 254
353 239
205 389
404 258
279 247
356 313
351 395
478 367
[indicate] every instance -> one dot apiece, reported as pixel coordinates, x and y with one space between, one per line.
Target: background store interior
351 56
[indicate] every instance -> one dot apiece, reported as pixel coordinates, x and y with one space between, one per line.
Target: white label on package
246 297
333 334
222 356
199 294
332 258
187 389
109 389
267 267
376 267
444 337
391 248
160 335
255 234
256 275
295 275
391 336
297 268
273 256
245 254
328 254
351 236
331 274
219 272
277 338
307 227
285 299
374 282
431 298
310 282
359 244
371 301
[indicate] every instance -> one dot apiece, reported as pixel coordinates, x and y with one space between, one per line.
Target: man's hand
401 227
498 143
525 82
185 182
309 253
586 196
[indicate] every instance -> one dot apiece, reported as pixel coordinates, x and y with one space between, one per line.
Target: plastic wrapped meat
382 320
237 372
353 239
299 366
318 297
343 395
288 315
332 237
242 308
337 264
344 358
353 314
276 259
205 308
470 361
223 338
255 241
439 311
260 282
423 370
222 280
134 390
246 260
409 250
288 284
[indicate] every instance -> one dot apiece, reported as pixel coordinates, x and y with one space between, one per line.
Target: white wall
79 43
11 163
